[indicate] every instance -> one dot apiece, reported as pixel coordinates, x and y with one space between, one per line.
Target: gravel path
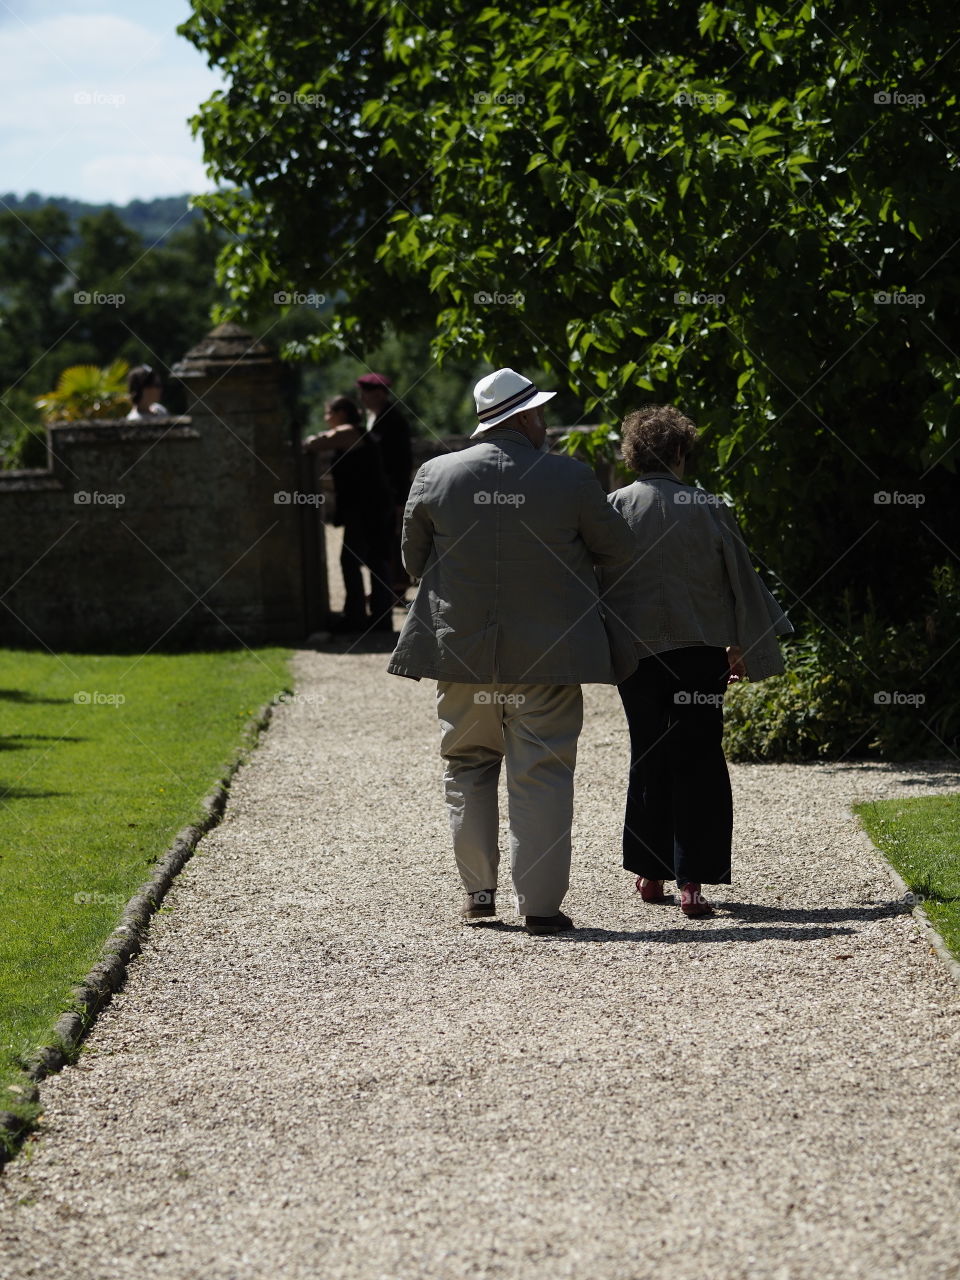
315 1071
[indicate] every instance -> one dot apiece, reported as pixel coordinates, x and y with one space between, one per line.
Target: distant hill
152 219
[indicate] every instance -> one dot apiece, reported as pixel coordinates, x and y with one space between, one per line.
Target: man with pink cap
504 537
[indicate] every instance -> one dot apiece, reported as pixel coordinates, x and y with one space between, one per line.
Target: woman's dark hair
144 375
350 408
655 437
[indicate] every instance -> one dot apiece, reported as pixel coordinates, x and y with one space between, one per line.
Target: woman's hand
737 669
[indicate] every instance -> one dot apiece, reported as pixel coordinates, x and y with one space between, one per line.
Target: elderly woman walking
699 616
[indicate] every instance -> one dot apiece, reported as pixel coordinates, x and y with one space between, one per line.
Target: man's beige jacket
504 538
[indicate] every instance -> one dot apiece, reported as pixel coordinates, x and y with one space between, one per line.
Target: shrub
23 436
860 688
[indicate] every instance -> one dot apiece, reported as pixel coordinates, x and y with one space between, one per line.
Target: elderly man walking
504 537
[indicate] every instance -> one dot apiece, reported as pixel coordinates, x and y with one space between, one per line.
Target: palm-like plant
85 391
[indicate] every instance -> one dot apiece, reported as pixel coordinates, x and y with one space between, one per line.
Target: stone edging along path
125 942
924 923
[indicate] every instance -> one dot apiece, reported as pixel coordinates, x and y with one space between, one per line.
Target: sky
97 94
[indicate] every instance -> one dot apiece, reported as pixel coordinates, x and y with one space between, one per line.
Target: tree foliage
91 294
710 204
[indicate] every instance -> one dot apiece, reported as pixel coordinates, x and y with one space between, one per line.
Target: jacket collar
505 433
660 475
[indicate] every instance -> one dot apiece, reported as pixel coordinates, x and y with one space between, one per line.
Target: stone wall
189 531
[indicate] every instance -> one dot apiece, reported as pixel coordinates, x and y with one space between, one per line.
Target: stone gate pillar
264 520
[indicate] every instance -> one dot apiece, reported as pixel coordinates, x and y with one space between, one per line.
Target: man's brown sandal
479 906
542 925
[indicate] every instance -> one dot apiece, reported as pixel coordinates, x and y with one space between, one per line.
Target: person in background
390 429
700 617
364 507
145 386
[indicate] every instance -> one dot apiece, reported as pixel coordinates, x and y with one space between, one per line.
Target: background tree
154 220
696 203
33 272
89 294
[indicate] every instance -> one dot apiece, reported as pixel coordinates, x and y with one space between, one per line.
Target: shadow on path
814 923
814 915
695 932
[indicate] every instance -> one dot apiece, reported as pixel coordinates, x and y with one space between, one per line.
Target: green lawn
921 838
102 760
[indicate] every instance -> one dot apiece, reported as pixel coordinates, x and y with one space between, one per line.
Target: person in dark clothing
390 429
700 616
364 507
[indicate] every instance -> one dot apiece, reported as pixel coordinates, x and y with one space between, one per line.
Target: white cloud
57 53
128 175
95 106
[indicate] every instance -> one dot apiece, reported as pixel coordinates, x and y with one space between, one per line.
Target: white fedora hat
502 394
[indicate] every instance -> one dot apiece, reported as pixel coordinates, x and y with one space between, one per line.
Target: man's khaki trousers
533 728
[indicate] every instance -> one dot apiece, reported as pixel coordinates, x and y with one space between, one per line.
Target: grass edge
121 945
938 945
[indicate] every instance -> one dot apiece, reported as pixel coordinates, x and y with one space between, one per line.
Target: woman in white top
144 385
